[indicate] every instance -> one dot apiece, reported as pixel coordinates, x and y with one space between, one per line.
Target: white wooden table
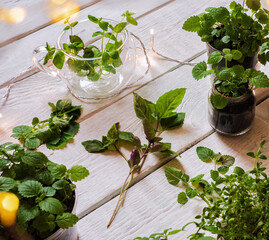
151 203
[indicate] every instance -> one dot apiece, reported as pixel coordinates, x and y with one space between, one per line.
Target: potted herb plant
95 57
243 28
231 99
236 204
45 189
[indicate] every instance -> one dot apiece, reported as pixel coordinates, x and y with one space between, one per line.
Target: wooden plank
38 15
263 110
16 58
151 205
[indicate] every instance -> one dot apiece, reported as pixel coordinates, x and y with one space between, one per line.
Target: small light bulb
151 31
1 115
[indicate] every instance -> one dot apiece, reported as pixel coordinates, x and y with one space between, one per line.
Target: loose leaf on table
173 175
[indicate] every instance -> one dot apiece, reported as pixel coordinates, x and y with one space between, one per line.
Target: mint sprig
156 118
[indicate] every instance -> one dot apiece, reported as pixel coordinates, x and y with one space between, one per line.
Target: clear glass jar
236 118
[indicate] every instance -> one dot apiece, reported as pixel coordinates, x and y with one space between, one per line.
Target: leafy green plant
55 131
159 236
239 28
107 56
236 204
229 81
156 118
45 190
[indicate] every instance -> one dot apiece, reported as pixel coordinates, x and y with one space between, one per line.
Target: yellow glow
15 15
58 11
9 205
58 2
267 3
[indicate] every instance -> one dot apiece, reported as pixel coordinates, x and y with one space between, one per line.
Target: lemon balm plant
231 99
242 27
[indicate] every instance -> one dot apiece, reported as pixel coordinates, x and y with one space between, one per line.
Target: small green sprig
229 81
107 55
44 188
236 204
156 118
242 28
55 131
160 236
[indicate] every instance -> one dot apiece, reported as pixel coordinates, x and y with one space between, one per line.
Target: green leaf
169 101
172 122
219 101
239 171
135 157
253 4
113 134
35 159
251 154
30 188
78 173
205 154
60 184
119 27
142 108
73 24
58 171
110 69
173 175
227 160
92 18
149 130
49 191
32 143
103 25
214 58
26 212
44 223
66 220
200 71
236 54
6 184
223 169
226 39
191 193
58 59
259 79
214 175
51 205
94 146
182 198
93 76
22 129
66 28
192 24
126 136
131 20
75 39
196 180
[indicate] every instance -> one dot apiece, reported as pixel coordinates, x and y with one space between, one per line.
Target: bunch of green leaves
239 28
55 131
236 204
159 236
156 118
44 189
229 81
95 60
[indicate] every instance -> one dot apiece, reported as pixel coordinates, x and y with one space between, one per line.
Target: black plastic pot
236 118
249 62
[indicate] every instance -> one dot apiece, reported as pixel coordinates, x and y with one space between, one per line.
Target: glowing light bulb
15 15
9 205
152 30
58 2
1 115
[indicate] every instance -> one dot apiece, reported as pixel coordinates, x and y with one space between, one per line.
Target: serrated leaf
58 171
58 59
6 184
35 159
223 169
22 129
253 4
192 24
227 160
30 188
191 193
173 175
32 143
236 54
200 70
94 146
44 223
182 198
51 205
172 122
219 101
214 58
66 220
49 191
78 173
169 101
205 154
259 79
27 213
239 171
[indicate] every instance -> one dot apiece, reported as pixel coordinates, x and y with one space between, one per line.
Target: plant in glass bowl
231 98
243 28
95 57
45 190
